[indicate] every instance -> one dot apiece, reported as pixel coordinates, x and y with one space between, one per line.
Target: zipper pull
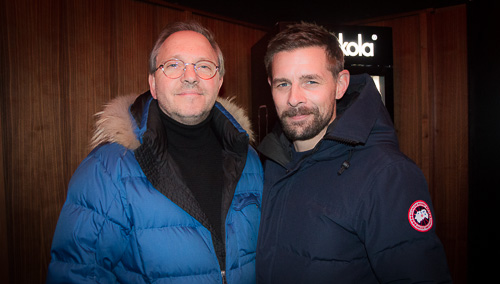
346 164
223 273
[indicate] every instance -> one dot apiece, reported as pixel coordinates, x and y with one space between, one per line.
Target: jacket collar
124 120
134 122
358 112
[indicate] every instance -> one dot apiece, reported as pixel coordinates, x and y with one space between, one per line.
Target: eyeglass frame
162 66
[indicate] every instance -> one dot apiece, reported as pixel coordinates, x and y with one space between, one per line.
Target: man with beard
341 203
171 192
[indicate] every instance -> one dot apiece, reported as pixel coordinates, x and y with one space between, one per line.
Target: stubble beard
307 129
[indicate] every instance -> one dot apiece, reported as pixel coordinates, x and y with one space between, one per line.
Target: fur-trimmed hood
115 124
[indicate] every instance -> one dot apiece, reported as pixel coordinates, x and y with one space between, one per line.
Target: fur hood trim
115 125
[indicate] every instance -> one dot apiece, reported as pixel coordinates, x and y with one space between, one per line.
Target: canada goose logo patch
420 216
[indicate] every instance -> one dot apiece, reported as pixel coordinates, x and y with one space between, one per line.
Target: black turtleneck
198 153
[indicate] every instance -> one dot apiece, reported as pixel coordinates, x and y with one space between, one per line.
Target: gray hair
185 26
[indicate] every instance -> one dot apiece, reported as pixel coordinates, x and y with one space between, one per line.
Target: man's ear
220 83
152 85
342 83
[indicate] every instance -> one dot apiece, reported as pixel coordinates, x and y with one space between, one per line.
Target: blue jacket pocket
243 200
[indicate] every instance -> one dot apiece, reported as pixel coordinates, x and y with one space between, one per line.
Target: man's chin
304 130
298 133
191 118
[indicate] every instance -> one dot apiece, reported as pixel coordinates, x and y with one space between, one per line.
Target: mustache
298 111
189 86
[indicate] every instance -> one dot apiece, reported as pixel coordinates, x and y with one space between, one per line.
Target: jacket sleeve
91 233
398 246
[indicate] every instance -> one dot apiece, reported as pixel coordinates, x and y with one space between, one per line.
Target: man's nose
189 73
296 96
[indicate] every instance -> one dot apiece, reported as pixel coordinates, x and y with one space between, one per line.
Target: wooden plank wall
431 114
61 60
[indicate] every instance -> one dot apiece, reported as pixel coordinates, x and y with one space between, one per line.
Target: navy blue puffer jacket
353 210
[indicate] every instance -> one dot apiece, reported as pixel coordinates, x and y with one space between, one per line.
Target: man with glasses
171 191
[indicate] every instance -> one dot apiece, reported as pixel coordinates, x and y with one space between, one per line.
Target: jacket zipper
223 274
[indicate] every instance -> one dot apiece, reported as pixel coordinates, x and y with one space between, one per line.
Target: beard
307 129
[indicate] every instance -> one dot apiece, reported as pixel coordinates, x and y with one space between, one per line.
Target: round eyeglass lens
205 69
175 68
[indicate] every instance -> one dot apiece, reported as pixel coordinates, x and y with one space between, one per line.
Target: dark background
267 13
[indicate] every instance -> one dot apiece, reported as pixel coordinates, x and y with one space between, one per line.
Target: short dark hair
301 35
185 26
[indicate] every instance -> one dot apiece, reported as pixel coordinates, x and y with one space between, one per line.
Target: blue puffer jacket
352 210
129 218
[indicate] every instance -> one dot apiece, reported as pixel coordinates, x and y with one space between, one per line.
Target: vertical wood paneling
427 110
430 112
4 236
61 61
408 89
32 133
235 42
450 136
87 77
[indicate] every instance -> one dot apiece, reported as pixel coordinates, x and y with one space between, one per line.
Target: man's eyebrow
183 59
280 80
304 77
310 76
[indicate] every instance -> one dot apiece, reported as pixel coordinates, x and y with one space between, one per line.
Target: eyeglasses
173 69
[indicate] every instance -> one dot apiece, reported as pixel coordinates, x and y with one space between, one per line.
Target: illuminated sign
365 46
359 48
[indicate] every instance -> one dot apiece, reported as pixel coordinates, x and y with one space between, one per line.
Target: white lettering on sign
359 48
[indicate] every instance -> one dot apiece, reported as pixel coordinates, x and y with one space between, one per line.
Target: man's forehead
187 45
